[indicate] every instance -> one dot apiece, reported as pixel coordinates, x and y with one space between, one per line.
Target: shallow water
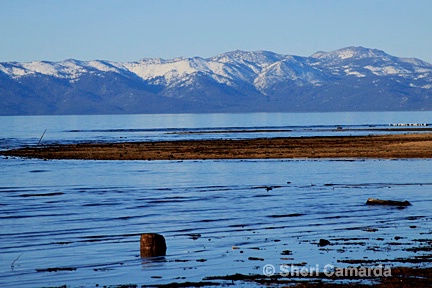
86 217
17 131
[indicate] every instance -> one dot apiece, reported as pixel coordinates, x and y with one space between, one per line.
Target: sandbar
389 146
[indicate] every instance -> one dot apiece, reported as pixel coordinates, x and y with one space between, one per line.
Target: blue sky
128 30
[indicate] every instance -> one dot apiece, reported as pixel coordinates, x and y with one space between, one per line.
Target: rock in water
323 242
152 245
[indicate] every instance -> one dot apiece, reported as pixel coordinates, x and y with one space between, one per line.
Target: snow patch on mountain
415 61
173 70
345 54
258 58
351 53
386 70
65 69
45 68
102 66
354 73
169 70
291 69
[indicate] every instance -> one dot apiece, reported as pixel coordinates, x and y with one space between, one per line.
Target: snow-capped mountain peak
350 53
347 71
258 68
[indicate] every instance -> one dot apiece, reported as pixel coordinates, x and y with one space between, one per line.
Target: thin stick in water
41 137
13 263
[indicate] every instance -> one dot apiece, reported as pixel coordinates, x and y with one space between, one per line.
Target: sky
129 30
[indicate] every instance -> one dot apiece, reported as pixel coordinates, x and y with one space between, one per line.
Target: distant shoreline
418 145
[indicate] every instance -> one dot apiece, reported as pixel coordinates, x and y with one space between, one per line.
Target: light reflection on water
87 216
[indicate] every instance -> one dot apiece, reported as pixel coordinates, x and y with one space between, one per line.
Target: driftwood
152 245
372 201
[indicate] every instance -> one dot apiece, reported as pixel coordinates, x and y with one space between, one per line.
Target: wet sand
402 277
378 146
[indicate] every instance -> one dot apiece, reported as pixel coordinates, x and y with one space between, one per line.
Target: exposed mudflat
379 146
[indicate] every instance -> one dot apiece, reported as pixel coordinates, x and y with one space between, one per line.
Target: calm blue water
27 131
87 216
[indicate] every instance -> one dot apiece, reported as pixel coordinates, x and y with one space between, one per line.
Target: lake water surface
219 217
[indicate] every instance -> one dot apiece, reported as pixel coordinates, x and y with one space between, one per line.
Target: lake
82 220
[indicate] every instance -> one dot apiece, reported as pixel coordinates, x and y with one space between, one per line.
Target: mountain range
348 79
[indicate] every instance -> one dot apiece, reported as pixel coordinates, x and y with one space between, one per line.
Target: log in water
152 245
372 201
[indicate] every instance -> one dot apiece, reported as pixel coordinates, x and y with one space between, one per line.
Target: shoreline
388 146
409 277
